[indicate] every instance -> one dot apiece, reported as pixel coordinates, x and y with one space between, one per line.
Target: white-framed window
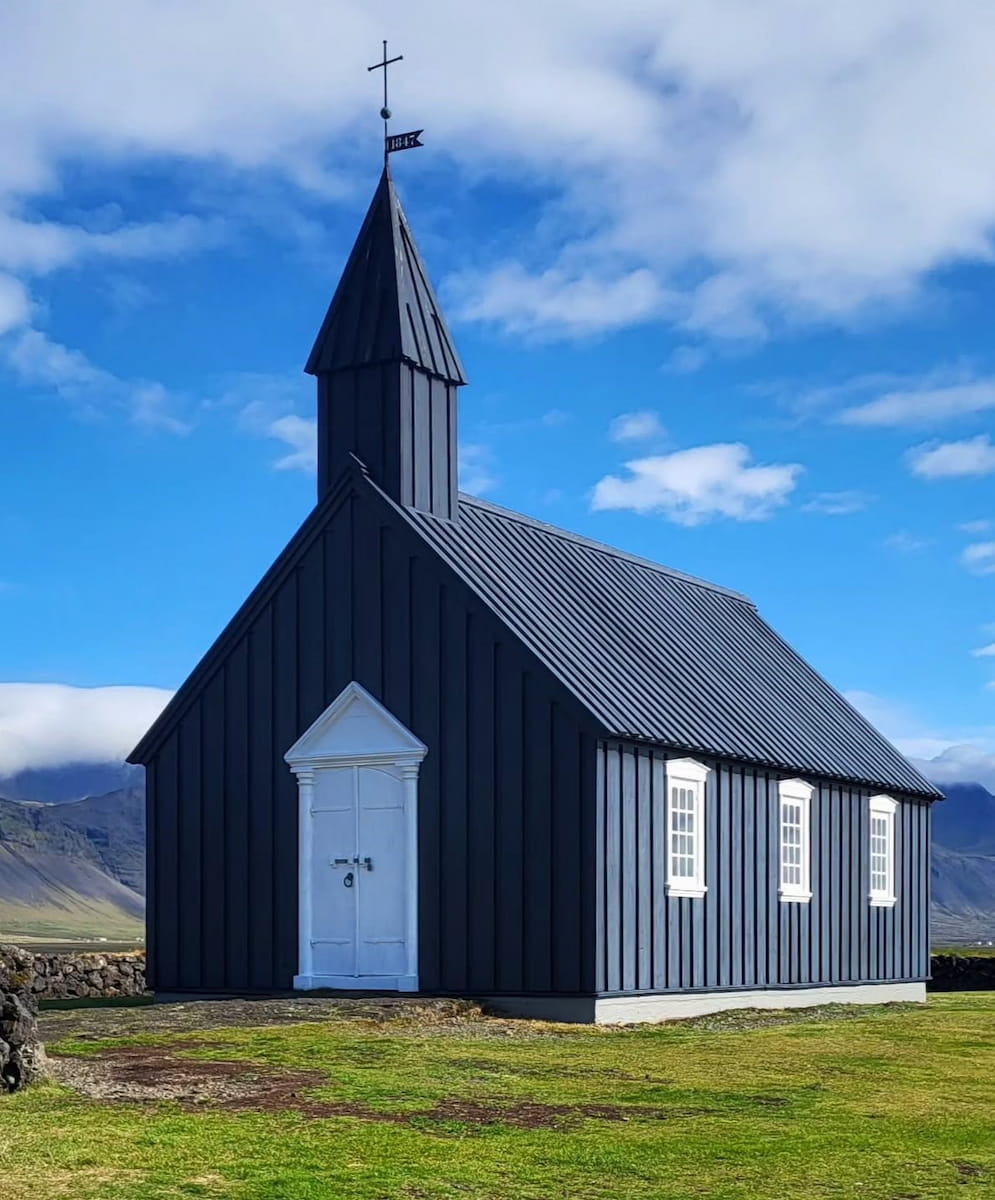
882 819
686 827
794 817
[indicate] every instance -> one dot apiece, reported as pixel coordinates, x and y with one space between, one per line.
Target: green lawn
890 1103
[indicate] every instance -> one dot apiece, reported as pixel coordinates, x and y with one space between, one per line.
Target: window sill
684 889
883 901
795 897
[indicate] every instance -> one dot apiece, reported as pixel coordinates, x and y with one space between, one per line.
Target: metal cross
385 111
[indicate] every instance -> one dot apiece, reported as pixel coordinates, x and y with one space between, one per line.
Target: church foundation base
663 1006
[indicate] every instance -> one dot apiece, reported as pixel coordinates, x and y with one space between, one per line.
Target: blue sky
721 281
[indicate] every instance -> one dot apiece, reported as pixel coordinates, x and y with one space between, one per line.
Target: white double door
361 901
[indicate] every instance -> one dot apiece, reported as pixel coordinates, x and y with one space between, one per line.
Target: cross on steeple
385 111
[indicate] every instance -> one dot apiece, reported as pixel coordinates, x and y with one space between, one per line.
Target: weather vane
397 141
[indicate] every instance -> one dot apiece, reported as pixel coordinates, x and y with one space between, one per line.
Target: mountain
963 870
74 781
74 869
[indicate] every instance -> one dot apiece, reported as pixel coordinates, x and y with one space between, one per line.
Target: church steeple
387 368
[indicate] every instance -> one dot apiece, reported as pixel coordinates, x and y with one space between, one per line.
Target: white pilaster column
305 833
409 776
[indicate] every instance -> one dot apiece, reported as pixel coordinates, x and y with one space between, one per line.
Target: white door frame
376 739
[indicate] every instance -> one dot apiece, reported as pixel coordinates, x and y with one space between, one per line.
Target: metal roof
384 308
659 656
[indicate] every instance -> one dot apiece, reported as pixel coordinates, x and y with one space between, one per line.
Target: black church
445 748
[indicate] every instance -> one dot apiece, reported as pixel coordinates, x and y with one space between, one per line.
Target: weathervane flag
404 141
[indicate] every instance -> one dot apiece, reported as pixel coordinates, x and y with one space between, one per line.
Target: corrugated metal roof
659 656
384 309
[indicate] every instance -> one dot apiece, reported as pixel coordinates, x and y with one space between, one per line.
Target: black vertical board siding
164 916
426 664
614 866
601 869
286 730
238 897
190 881
213 828
509 843
151 861
480 808
538 861
644 872
367 593
748 882
311 622
568 885
422 470
822 880
454 792
657 882
627 819
261 806
734 802
507 791
741 932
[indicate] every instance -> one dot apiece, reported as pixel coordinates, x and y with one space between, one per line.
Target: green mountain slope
76 870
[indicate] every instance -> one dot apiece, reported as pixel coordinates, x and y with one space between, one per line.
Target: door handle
366 862
348 879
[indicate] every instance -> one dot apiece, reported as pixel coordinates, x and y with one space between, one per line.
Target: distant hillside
963 874
62 785
75 869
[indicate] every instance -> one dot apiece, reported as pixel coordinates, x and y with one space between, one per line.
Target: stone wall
67 976
962 973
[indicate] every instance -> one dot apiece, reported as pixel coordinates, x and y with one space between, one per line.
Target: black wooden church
445 748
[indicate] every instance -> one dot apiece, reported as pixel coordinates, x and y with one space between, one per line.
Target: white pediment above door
355 726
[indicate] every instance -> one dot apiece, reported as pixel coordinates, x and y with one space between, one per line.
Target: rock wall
962 973
22 1056
67 976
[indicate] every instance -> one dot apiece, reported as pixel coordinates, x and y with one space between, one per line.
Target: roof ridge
604 547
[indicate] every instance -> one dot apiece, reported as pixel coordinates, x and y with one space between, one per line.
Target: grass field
892 1103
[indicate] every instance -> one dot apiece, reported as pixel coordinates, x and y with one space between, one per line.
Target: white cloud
906 543
837 504
301 435
973 456
975 526
961 764
50 724
636 427
40 362
557 303
15 307
985 651
699 484
685 360
960 756
979 558
927 406
477 474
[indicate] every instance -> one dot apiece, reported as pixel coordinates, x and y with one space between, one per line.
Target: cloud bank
51 724
731 168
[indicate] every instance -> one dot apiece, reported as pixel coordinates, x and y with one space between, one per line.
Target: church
444 748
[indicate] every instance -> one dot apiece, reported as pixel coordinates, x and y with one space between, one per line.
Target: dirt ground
151 1074
197 1015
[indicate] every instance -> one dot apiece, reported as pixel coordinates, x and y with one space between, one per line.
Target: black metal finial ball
385 113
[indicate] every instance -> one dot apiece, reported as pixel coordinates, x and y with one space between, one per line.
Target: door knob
347 880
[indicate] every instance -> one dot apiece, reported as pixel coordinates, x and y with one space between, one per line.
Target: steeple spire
384 308
388 369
